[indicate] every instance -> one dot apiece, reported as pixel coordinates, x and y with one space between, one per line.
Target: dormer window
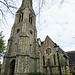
21 17
30 19
39 42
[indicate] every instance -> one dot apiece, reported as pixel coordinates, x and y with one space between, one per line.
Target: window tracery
48 51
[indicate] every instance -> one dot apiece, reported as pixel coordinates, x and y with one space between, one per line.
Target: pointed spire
26 3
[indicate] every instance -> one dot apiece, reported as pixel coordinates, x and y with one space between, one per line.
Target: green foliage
73 73
34 73
2 44
59 74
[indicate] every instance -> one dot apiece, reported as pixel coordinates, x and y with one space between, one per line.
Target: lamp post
57 49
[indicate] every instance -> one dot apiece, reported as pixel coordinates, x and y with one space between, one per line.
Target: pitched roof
71 55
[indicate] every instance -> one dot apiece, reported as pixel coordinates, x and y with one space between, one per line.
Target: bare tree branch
11 4
3 3
3 17
43 2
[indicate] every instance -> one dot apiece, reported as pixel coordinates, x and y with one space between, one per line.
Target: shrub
34 73
73 73
59 74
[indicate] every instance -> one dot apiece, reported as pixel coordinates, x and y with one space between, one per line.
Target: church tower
20 57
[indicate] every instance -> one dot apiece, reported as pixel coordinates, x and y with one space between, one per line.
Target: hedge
73 73
34 73
38 73
59 74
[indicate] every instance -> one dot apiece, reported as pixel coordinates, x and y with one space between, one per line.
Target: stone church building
25 53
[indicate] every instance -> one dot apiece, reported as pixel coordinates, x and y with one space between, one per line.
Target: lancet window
43 60
30 18
54 59
21 17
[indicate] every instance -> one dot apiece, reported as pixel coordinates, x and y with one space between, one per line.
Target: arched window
54 59
43 60
31 32
21 17
18 30
30 18
30 47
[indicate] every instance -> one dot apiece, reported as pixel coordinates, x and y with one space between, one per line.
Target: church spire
26 3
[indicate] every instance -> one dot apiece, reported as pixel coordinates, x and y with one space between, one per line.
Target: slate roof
71 55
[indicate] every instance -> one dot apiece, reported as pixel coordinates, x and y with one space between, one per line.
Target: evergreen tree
2 44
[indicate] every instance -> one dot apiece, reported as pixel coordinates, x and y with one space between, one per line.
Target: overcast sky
56 20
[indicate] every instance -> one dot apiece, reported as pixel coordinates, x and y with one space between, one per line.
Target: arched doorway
12 67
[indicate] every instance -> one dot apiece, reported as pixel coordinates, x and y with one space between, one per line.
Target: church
26 53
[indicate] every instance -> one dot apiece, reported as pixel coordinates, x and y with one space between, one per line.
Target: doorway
12 67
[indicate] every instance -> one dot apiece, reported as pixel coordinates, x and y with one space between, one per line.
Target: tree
2 44
10 6
43 2
6 6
